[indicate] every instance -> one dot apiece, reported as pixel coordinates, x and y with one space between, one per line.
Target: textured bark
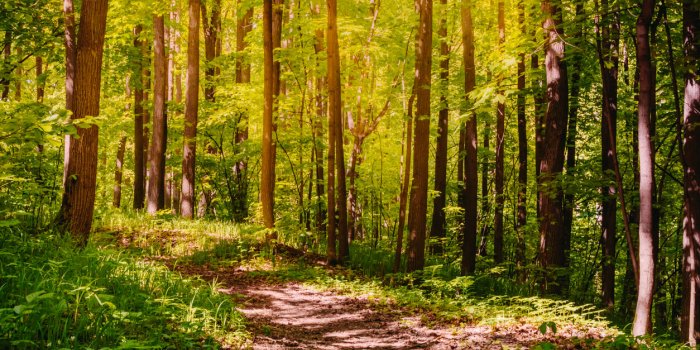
437 229
6 52
267 181
690 323
156 183
403 196
139 151
642 318
240 169
421 142
78 200
500 128
608 47
321 107
18 76
118 166
471 185
189 151
211 25
551 249
522 156
69 42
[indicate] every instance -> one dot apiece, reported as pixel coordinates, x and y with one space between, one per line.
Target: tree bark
189 151
551 250
321 107
117 195
403 195
6 52
642 318
156 183
78 202
211 26
267 181
421 142
521 221
690 323
39 79
437 229
139 167
468 264
69 42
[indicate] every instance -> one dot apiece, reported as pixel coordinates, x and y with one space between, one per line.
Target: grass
54 295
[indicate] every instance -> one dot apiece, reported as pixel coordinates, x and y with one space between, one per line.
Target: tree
80 165
189 151
500 129
267 182
551 249
470 155
437 228
690 323
139 147
212 27
522 155
645 292
156 183
118 166
405 181
421 142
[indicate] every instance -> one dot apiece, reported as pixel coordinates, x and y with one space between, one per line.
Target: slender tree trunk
156 183
18 76
485 209
551 250
69 42
6 52
268 181
78 201
437 229
139 167
500 129
521 221
240 169
470 165
403 195
608 47
39 79
642 317
690 322
211 37
117 195
318 128
189 151
421 143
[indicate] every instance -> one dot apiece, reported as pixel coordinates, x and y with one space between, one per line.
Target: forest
350 174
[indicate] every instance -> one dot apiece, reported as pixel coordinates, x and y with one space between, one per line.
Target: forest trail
290 315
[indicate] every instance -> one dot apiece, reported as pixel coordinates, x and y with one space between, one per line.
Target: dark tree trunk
521 221
189 151
39 79
6 71
117 195
156 183
471 185
437 229
403 196
211 25
139 153
78 201
318 129
690 323
551 250
642 318
485 209
267 181
421 143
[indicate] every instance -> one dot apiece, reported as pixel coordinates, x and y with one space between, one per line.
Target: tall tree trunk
139 166
403 196
642 318
437 229
78 201
690 323
608 47
267 181
471 185
500 128
485 224
211 26
18 76
240 169
156 183
318 127
551 250
117 195
6 52
421 142
521 221
69 42
189 151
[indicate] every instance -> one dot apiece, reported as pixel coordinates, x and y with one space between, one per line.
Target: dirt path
290 315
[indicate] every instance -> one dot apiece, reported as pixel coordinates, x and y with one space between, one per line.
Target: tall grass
54 295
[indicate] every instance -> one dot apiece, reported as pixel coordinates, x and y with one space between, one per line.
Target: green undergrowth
53 295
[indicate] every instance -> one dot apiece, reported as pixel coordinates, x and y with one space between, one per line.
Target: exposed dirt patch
288 315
